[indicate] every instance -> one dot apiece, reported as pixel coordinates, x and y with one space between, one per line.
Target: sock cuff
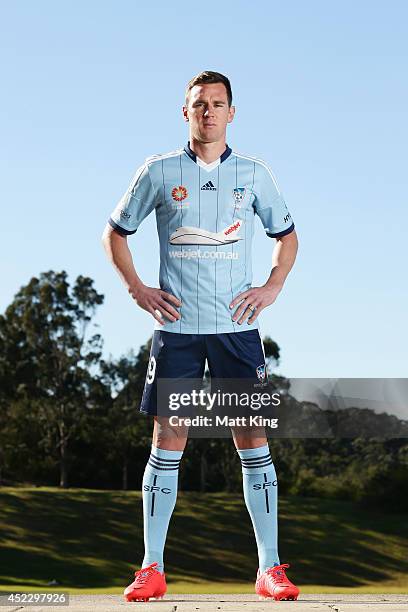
163 453
164 461
255 460
249 453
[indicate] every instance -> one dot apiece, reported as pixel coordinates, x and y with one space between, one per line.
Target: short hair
208 76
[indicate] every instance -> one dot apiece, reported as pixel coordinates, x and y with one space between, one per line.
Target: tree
47 356
130 430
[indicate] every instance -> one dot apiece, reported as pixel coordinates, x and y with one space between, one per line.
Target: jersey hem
209 330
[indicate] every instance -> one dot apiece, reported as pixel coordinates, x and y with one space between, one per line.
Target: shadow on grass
94 539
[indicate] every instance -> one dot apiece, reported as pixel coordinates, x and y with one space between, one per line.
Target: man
205 197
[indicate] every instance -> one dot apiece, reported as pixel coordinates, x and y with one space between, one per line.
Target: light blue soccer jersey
205 220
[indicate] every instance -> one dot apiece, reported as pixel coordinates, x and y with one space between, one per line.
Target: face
208 112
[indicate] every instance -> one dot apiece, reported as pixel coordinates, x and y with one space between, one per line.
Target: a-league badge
239 195
179 193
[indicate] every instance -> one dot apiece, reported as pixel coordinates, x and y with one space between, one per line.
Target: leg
168 437
248 437
172 356
181 357
260 491
160 482
241 356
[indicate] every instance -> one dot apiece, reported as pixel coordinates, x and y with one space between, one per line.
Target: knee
249 438
169 437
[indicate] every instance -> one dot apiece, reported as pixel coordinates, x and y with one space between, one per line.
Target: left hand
257 297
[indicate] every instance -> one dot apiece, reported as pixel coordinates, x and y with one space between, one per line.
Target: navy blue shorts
238 355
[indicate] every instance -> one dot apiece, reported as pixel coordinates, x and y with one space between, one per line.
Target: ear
231 114
185 113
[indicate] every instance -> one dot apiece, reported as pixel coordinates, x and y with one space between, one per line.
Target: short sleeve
269 203
135 205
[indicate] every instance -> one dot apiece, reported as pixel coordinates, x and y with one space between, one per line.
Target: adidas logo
209 187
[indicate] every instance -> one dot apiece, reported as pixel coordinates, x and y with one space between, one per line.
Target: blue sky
89 89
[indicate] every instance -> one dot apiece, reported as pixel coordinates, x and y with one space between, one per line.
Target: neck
208 151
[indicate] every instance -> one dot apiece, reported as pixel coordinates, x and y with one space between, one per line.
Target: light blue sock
261 499
159 498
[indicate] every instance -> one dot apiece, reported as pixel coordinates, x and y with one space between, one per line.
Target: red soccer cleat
148 584
274 584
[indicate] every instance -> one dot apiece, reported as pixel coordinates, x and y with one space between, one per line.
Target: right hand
156 301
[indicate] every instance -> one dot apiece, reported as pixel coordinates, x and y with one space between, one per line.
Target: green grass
90 541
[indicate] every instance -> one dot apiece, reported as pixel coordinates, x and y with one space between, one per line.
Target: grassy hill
91 540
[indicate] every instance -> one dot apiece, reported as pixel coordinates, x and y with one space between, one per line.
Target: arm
283 258
152 300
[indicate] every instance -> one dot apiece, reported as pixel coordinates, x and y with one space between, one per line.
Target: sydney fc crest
239 195
261 372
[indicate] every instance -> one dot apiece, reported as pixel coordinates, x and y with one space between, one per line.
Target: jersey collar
201 163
